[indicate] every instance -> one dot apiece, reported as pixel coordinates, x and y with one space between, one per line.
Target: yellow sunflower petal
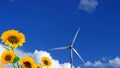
7 57
27 62
38 66
13 38
1 66
46 61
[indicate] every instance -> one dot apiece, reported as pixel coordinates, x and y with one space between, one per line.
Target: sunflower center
27 64
13 39
45 62
8 57
38 67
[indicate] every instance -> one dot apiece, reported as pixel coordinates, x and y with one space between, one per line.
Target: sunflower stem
18 65
42 65
12 49
13 65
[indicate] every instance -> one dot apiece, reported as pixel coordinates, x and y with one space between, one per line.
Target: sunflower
1 66
38 66
27 62
13 38
7 57
46 61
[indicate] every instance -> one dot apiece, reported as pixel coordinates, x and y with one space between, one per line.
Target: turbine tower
72 49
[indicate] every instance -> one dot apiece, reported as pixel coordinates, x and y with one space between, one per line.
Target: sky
53 23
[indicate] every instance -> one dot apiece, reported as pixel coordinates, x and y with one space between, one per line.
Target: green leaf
16 59
5 48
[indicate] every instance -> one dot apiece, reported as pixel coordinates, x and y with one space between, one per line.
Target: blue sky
52 23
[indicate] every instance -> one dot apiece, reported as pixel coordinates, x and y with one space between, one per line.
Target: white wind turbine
71 49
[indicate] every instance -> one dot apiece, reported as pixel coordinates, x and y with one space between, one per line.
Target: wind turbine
71 49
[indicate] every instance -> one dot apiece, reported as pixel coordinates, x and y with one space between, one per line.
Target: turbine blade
73 41
78 55
60 48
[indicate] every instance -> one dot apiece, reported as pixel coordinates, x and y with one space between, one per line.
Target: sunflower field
13 39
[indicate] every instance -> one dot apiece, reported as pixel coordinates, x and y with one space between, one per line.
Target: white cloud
95 64
115 62
1 49
36 56
103 58
88 5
